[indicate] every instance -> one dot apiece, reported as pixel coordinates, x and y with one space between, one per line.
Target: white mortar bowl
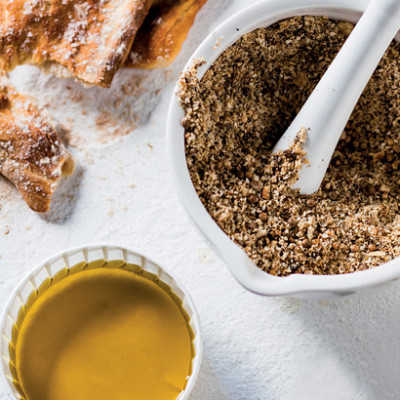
262 14
92 253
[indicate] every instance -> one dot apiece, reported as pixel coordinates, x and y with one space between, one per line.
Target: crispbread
32 156
90 38
160 38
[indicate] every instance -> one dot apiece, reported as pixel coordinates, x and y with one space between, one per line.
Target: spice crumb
236 113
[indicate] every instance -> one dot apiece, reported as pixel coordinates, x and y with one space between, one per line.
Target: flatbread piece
160 38
32 156
88 38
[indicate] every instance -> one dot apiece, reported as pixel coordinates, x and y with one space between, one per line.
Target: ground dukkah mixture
236 113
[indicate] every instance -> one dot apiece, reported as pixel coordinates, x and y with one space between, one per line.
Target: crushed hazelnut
236 113
354 248
311 203
263 216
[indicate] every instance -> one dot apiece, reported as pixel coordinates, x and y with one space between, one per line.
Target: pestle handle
326 112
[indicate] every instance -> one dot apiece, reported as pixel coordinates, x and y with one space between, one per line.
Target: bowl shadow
216 380
208 385
65 198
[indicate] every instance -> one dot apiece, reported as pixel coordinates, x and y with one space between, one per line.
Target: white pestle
327 110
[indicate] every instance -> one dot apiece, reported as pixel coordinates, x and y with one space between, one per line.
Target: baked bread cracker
32 156
160 38
88 38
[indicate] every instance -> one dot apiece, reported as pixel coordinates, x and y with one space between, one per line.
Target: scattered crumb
205 255
218 42
110 128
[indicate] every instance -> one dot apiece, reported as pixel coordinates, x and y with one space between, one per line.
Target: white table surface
254 348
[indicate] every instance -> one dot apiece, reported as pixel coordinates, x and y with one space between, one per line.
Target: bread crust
89 38
160 38
32 156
